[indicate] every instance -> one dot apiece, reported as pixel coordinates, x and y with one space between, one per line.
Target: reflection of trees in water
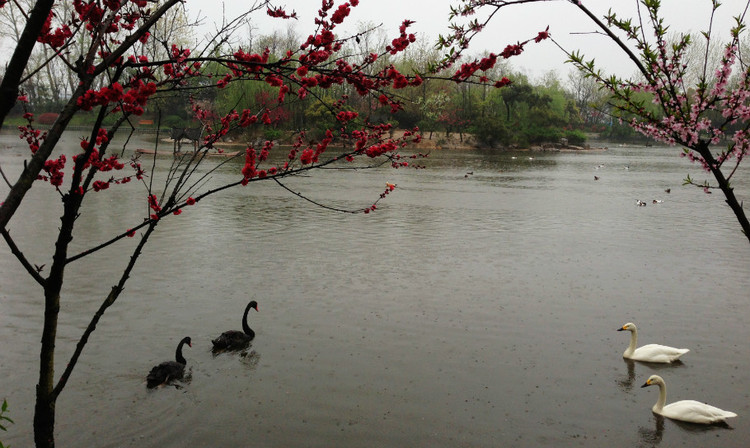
651 437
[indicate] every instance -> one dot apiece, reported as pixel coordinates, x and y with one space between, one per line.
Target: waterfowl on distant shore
651 352
686 410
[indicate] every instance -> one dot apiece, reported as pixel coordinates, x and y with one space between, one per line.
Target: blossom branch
108 301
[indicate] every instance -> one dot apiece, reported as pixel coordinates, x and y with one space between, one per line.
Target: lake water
470 310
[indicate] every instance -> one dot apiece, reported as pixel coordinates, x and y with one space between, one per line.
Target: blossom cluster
131 101
92 13
314 64
54 38
153 204
180 68
34 137
280 13
403 40
251 168
687 116
53 168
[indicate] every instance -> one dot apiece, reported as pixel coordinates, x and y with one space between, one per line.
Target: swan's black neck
178 356
245 327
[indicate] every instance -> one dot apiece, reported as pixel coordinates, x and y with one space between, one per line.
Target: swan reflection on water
186 379
247 356
250 358
652 437
626 383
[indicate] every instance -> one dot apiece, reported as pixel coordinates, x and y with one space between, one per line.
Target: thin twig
5 178
321 205
33 271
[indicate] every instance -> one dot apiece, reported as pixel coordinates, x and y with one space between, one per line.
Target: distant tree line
525 112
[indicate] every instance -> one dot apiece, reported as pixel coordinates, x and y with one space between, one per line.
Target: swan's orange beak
621 329
647 383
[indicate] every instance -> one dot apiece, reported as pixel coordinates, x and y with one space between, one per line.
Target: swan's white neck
662 399
633 343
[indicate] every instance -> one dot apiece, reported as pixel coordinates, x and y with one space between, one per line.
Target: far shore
440 141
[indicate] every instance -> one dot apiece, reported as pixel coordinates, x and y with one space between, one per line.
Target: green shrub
575 137
3 417
173 121
491 131
272 134
538 134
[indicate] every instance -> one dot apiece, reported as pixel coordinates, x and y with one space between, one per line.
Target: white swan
650 352
686 410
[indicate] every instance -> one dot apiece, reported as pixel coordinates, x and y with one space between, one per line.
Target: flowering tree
709 118
453 120
118 76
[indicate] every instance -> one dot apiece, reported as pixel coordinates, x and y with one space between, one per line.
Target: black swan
169 370
235 339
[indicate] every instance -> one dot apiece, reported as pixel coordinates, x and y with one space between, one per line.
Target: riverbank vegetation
525 112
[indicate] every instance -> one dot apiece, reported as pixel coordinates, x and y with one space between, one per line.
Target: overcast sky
566 22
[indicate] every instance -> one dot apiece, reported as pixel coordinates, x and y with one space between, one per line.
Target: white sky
516 23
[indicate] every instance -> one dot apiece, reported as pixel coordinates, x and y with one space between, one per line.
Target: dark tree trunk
46 396
728 191
20 58
44 420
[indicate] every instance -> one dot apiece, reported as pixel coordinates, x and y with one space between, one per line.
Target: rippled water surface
470 310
